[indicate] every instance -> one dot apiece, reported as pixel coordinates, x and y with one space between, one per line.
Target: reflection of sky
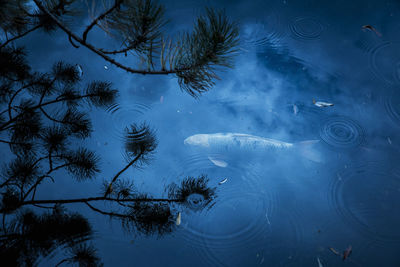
277 208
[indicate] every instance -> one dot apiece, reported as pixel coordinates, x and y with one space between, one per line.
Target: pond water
337 186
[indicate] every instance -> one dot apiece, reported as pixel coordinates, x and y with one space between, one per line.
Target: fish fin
307 151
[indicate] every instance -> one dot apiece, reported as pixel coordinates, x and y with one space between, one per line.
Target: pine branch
109 189
38 106
100 17
90 199
94 49
20 35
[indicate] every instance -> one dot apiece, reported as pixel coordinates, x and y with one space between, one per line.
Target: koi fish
178 219
369 27
246 141
347 252
321 104
223 181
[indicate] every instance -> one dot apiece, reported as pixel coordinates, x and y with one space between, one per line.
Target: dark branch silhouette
40 140
41 114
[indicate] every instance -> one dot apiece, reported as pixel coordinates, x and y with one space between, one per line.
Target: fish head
197 140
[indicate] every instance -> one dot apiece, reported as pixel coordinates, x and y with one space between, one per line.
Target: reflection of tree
137 25
42 116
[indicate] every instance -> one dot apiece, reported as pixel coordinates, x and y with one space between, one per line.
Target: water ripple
306 28
266 33
121 116
367 198
240 216
384 61
392 106
342 133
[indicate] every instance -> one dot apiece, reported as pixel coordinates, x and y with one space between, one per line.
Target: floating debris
266 216
389 140
79 69
369 27
319 262
321 104
178 219
218 162
334 251
223 181
295 109
105 67
347 252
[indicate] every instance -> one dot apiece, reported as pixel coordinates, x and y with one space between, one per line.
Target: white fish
105 67
251 142
218 162
178 219
319 263
223 181
321 104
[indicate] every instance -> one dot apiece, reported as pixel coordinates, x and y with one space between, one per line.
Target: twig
120 172
21 35
102 16
97 51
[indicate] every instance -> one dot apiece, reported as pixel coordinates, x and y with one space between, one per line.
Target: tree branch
3 127
90 199
109 189
97 51
20 35
100 17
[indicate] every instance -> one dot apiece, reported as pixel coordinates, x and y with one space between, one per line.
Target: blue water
277 207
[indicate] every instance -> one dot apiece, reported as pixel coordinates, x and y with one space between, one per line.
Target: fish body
251 142
347 252
321 104
235 139
178 219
